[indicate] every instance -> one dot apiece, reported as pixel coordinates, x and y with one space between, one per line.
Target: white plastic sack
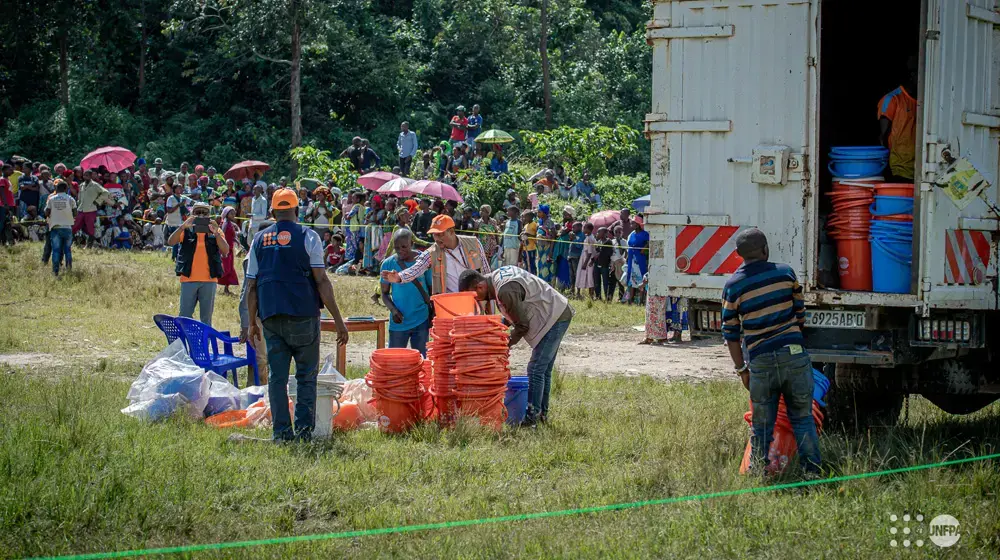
359 392
173 381
252 394
329 381
223 395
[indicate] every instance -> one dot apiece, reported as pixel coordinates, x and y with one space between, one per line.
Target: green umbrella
494 136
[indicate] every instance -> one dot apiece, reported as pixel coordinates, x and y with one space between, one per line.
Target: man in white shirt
258 209
407 146
175 210
60 213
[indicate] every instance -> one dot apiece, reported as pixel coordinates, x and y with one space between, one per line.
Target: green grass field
77 476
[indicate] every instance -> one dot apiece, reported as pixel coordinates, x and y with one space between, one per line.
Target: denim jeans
602 277
202 294
543 357
167 232
781 373
47 248
417 337
290 338
62 243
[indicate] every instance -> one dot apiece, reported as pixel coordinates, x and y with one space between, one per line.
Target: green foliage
580 149
618 191
481 187
319 164
212 92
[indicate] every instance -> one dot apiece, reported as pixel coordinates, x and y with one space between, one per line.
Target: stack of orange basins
849 226
440 351
482 367
396 390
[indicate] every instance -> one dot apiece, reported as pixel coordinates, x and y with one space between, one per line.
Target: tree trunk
295 94
543 51
63 70
142 47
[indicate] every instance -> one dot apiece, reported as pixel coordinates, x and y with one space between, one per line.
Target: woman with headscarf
229 277
635 265
546 244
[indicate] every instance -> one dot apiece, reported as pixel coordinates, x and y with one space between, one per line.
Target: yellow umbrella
494 136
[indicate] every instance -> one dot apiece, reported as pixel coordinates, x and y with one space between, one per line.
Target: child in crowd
102 231
335 254
121 237
512 237
529 233
35 228
575 251
587 259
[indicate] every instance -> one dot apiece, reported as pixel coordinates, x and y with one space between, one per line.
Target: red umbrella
114 158
246 170
605 218
436 189
372 181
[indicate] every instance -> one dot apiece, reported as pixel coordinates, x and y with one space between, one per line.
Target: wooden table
378 325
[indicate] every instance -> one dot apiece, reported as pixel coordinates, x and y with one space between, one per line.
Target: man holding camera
199 261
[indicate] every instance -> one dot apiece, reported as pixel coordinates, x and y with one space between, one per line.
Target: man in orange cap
286 285
450 255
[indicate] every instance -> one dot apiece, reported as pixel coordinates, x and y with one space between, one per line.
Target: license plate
835 319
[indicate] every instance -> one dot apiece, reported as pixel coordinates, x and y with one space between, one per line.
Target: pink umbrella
399 186
436 189
114 158
605 218
372 181
246 170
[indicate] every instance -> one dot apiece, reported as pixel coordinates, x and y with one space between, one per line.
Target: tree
543 52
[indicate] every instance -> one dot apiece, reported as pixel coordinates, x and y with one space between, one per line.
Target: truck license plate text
835 319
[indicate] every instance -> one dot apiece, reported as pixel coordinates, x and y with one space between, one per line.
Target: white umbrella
398 187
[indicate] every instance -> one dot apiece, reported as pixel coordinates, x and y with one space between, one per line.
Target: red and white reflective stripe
967 256
708 249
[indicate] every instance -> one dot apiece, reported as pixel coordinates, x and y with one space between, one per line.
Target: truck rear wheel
860 398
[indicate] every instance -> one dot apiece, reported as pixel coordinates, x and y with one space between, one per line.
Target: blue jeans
417 337
777 373
543 357
290 338
61 240
167 232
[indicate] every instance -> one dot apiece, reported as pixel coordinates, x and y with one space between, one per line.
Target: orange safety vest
469 246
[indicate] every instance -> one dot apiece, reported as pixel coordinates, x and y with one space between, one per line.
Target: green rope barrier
510 518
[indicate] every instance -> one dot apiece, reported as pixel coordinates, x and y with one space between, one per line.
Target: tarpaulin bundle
440 352
783 446
482 367
396 390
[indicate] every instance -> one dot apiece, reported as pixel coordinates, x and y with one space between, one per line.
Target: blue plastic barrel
516 399
820 386
889 205
891 261
845 152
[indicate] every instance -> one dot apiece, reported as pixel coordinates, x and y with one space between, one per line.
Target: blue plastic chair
202 342
169 326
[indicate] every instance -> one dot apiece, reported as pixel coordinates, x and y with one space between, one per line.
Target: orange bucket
456 304
396 416
894 189
854 262
863 184
349 417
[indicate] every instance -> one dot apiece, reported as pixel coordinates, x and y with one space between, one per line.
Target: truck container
749 97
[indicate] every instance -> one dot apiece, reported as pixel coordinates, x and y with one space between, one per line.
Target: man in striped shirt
762 305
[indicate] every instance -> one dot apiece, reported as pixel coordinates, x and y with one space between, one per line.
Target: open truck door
732 128
960 98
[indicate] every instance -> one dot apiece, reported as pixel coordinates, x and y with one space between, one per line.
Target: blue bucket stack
892 256
853 162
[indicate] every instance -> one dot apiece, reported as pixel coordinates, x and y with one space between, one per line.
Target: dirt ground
594 354
611 353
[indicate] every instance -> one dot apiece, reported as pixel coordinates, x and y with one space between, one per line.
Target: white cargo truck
748 98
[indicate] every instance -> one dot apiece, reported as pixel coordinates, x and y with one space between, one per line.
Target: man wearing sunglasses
199 261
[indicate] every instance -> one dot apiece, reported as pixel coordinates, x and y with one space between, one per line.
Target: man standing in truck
897 122
762 306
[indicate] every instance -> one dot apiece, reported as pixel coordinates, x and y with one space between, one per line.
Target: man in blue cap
286 286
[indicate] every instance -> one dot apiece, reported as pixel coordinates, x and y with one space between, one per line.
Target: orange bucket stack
440 352
482 367
849 225
395 382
